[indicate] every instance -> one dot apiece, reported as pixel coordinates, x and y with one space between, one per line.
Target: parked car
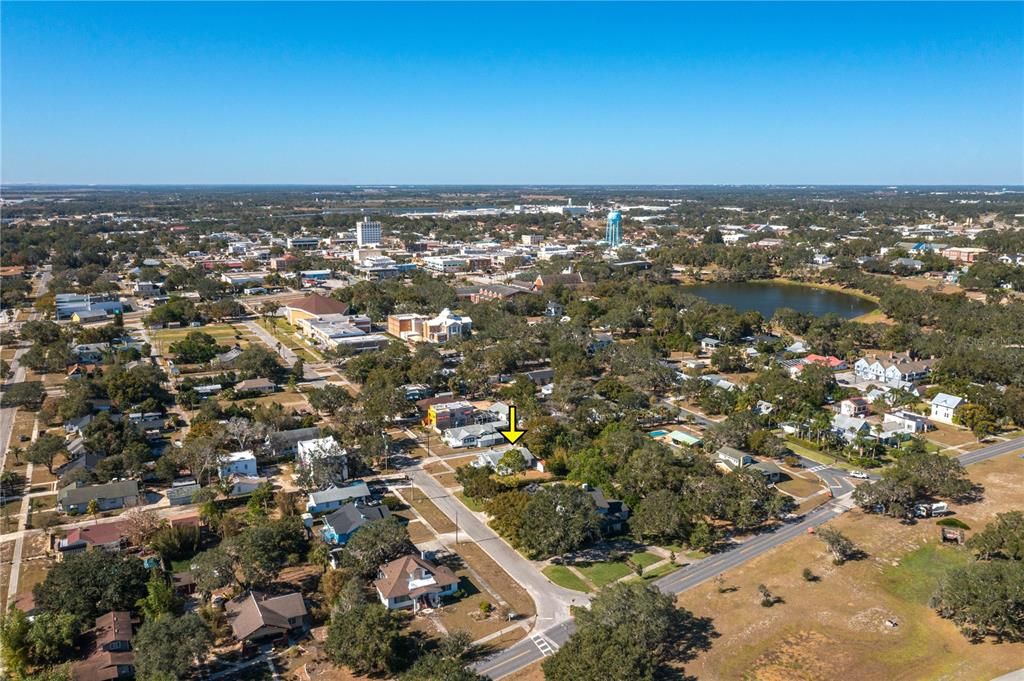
860 475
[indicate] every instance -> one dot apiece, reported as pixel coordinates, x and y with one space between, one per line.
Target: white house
906 421
475 435
944 407
413 582
492 458
854 406
238 463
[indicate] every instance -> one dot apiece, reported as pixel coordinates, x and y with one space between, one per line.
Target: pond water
767 297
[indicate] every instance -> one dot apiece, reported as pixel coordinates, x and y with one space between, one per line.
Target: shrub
954 522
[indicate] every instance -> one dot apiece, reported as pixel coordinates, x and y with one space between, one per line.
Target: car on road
860 475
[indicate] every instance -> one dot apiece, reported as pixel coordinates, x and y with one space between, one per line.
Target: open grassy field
836 627
225 334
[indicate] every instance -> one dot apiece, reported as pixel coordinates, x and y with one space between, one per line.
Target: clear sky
917 93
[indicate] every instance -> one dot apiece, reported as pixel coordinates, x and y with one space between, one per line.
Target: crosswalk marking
543 645
817 468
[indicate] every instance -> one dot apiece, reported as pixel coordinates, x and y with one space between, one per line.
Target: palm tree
320 554
93 509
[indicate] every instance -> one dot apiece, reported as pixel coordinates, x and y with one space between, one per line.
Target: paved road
552 601
528 651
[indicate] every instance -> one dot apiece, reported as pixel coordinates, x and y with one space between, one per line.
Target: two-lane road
528 651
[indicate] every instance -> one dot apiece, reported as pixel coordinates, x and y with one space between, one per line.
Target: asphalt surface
529 650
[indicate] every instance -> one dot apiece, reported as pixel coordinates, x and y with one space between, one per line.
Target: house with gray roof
342 524
334 497
75 497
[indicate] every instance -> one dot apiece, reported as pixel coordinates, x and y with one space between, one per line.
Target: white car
860 475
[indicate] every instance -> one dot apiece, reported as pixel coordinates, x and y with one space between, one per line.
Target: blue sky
916 93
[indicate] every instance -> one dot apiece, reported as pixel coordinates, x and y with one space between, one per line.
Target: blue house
343 523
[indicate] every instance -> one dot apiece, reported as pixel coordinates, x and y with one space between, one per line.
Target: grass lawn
602 574
814 455
564 577
471 503
9 514
799 487
645 558
656 573
919 572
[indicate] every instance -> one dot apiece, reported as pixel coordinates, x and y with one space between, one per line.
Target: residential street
527 651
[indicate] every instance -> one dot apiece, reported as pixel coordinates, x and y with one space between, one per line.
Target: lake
767 297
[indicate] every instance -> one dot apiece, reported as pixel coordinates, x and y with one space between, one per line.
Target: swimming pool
658 433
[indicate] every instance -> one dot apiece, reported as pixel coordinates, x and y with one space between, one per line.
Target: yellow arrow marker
512 434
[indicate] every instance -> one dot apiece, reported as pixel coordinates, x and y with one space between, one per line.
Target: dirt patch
448 480
950 436
441 523
510 591
840 620
436 468
460 461
419 533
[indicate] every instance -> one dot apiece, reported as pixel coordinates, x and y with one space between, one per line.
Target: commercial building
444 264
67 304
315 305
440 329
368 233
303 243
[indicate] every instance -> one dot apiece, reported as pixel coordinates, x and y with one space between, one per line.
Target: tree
376 543
364 639
196 347
915 475
140 525
558 519
329 399
1003 538
166 646
839 545
507 511
256 361
512 463
160 598
44 451
213 569
320 554
984 599
660 517
436 667
87 585
477 482
28 394
14 641
631 632
52 637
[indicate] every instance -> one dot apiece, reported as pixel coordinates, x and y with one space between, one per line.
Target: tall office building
613 235
368 233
